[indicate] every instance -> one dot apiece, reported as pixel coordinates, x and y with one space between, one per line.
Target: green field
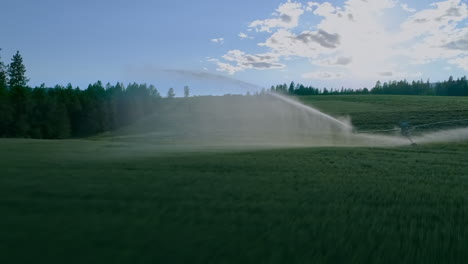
367 112
385 111
114 200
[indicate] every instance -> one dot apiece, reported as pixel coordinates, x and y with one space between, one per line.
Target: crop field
116 199
385 111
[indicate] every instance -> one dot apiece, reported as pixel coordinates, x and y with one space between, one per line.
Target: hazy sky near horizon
333 43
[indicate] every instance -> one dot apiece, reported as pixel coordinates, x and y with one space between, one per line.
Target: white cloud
244 36
441 19
324 9
307 44
218 40
435 33
407 8
359 38
333 61
286 16
240 61
226 67
322 75
461 62
399 74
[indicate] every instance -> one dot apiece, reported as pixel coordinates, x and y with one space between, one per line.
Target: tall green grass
104 202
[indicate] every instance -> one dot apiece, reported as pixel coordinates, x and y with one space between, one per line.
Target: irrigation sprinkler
406 129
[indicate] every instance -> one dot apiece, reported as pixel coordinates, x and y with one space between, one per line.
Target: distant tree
21 109
291 88
19 97
60 122
5 108
452 87
17 71
378 89
464 86
154 92
3 75
39 116
170 93
186 91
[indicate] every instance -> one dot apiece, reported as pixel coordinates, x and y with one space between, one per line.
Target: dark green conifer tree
5 107
19 96
17 72
170 93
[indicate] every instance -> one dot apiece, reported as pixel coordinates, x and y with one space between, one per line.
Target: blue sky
349 43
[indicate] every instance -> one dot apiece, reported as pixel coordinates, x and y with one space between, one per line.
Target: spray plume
268 120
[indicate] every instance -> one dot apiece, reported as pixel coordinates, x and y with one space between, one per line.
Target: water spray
406 129
261 121
311 110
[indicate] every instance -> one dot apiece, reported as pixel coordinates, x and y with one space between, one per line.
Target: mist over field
264 120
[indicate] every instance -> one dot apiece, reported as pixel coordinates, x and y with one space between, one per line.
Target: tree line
451 87
63 112
66 111
300 89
